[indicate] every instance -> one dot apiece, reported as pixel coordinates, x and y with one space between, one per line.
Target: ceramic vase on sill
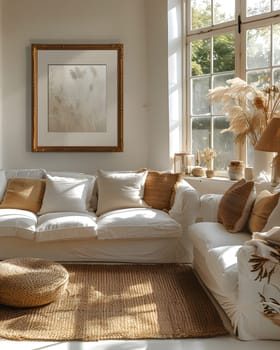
262 162
210 173
236 170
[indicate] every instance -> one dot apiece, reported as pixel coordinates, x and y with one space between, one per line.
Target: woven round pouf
28 282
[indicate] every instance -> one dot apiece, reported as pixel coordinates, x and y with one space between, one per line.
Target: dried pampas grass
249 109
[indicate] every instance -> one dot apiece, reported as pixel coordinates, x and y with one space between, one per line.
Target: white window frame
240 22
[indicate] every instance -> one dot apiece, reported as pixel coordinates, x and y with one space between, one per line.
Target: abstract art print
77 97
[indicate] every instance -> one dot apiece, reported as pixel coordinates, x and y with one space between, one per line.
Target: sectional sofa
232 239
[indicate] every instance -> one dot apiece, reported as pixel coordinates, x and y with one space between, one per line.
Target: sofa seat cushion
137 223
65 226
209 235
17 223
222 262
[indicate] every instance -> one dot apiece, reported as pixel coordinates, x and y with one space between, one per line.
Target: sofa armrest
259 291
209 204
186 205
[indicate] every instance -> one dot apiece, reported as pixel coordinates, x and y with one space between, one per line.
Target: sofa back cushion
120 190
25 194
235 205
264 204
159 189
209 205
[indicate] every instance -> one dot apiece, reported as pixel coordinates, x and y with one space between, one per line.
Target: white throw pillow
81 176
64 194
120 190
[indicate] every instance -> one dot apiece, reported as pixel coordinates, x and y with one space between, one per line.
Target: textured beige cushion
235 205
159 189
120 190
273 219
25 194
29 282
263 207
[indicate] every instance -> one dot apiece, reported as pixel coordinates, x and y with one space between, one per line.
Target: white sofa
235 268
71 229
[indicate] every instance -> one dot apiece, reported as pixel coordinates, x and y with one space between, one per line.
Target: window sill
205 185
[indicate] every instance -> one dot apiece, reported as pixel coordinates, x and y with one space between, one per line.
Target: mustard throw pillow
160 189
235 205
25 194
263 207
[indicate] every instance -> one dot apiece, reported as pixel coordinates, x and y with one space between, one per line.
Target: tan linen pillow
120 190
235 205
263 207
25 194
159 189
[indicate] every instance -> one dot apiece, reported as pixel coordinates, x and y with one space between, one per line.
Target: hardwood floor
218 343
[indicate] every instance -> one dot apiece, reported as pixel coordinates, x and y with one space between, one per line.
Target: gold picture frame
77 97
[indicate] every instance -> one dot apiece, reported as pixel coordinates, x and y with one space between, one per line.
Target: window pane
276 5
173 23
220 80
258 47
259 78
257 7
200 102
223 144
173 69
276 76
201 13
201 134
223 53
276 44
224 11
201 56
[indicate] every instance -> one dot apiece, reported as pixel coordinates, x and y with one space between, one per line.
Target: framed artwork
77 97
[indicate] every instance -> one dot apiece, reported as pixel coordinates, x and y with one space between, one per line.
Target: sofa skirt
163 250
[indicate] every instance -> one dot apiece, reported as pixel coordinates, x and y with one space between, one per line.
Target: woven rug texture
119 302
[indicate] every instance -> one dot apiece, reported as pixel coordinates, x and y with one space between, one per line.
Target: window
216 32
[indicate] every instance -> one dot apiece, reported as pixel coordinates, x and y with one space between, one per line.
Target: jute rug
119 302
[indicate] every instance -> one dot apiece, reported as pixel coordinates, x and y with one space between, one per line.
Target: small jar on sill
236 170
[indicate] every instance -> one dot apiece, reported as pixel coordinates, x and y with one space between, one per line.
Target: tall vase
262 162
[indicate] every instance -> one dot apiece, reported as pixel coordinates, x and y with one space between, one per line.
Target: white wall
175 75
1 102
157 25
141 25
